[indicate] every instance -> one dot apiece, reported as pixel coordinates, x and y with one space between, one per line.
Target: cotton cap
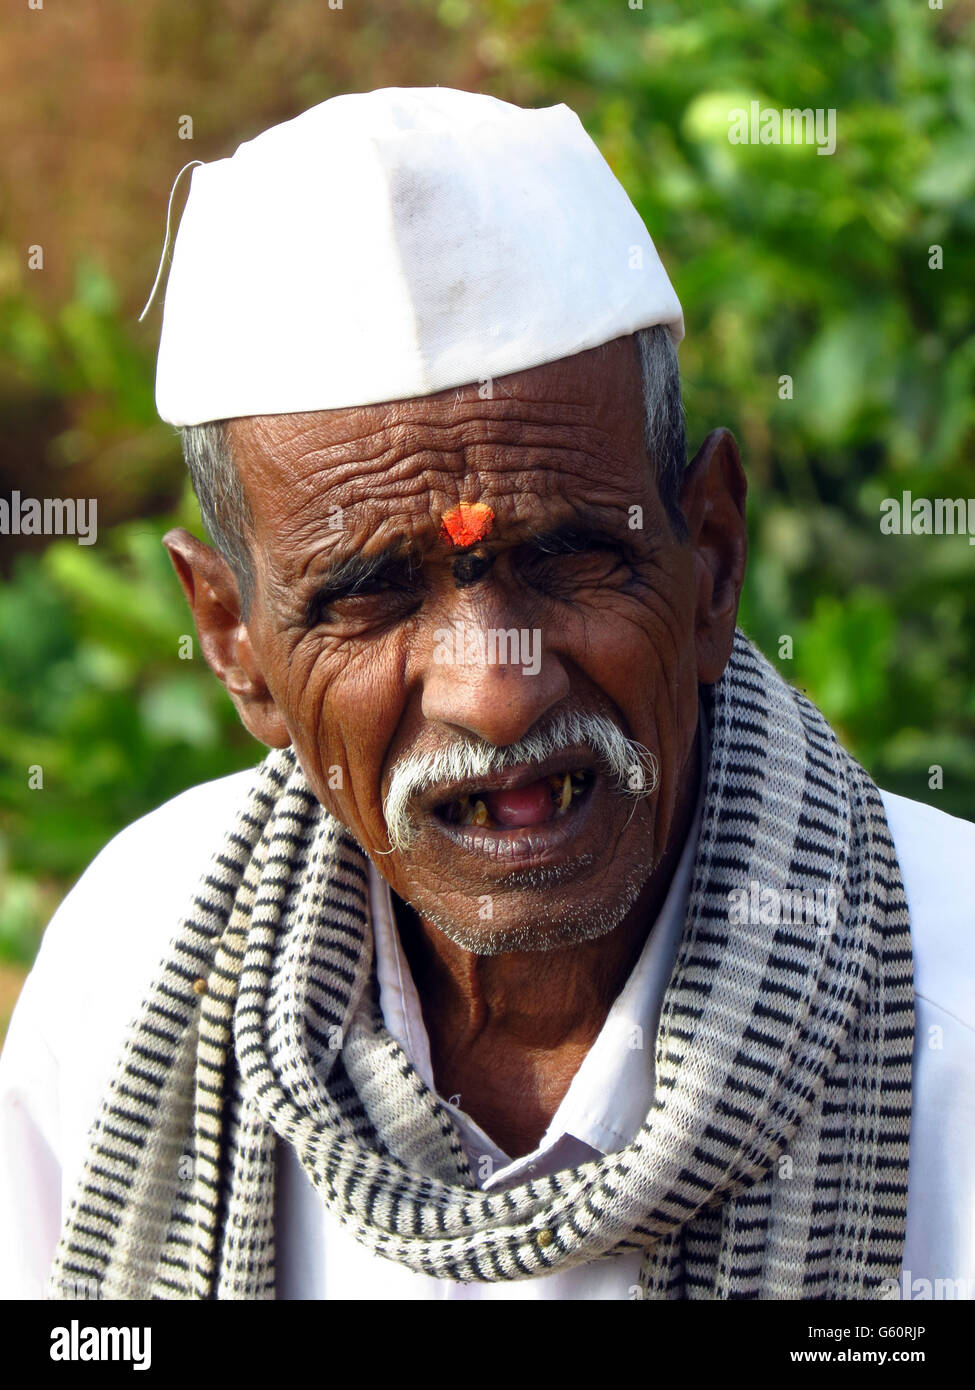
393 243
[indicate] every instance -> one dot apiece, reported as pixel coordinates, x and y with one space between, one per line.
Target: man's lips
574 832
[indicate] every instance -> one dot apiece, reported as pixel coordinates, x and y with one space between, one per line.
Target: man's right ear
214 598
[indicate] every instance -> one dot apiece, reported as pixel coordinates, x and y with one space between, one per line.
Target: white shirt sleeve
937 860
30 1166
99 955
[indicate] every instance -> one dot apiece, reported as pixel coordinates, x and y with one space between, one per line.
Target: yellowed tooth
467 813
481 816
566 796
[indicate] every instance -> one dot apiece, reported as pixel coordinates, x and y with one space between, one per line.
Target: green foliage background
787 263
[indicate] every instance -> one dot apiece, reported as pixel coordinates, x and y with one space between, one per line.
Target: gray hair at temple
228 519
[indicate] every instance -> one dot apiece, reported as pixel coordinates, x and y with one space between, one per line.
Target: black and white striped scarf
773 1162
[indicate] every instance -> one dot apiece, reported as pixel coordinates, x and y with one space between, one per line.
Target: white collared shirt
101 952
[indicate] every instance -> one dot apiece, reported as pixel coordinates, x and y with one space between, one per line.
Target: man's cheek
326 772
342 740
334 782
628 641
317 739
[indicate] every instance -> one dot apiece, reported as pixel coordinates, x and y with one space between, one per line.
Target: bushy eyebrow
576 535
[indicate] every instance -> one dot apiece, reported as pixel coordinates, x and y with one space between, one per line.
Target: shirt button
200 986
545 1237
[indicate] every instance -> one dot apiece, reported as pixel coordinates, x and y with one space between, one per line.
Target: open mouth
502 808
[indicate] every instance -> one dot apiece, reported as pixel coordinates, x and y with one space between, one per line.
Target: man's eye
373 601
592 561
371 587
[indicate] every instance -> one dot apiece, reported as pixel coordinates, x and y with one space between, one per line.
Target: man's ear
212 593
713 503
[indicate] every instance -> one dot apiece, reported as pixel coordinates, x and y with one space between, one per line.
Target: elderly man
556 949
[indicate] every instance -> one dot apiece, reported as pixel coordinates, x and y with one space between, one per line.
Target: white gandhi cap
394 243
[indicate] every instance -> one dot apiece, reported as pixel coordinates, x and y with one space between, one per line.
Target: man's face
372 665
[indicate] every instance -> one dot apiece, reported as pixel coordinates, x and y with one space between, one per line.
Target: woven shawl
773 1162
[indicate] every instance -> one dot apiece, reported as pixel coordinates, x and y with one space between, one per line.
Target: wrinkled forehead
572 426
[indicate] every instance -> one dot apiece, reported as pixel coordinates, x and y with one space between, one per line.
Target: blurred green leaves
817 268
96 695
83 349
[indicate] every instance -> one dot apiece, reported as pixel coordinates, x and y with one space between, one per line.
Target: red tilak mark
467 523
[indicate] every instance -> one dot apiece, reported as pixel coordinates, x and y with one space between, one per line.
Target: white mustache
632 768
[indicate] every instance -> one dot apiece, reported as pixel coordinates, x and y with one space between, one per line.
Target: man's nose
491 681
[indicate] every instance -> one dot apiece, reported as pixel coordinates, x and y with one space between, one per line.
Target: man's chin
534 915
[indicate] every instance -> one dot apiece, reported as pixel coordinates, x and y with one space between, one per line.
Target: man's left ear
713 503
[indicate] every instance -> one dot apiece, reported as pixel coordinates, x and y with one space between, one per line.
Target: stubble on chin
553 924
